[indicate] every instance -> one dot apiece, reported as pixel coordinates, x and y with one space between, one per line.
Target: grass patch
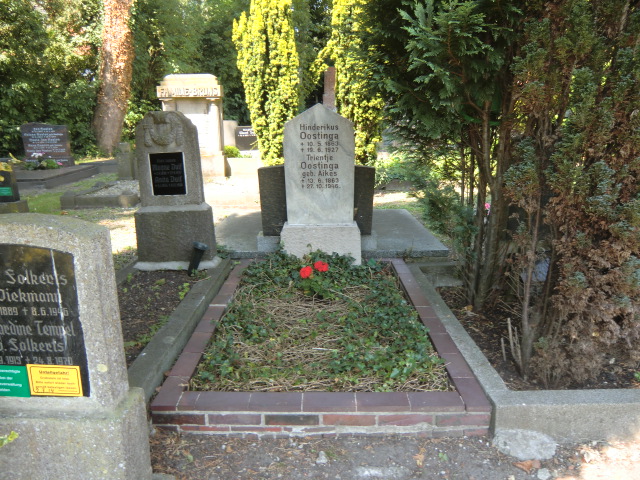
49 202
342 328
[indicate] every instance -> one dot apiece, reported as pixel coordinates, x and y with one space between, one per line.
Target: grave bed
91 198
463 412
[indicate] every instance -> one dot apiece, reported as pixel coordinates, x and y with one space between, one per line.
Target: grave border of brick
463 412
86 199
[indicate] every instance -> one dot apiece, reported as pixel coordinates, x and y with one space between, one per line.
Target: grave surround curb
463 412
85 199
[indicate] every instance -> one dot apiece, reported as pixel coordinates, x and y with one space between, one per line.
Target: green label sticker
14 381
6 192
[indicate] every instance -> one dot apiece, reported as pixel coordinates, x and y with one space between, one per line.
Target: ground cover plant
320 324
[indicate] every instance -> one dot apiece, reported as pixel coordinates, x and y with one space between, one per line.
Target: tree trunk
115 74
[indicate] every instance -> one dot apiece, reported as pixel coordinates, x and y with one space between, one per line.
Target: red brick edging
465 411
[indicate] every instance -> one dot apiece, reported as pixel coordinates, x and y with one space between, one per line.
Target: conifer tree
268 62
358 97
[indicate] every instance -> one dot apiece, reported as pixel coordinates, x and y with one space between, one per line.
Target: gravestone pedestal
299 240
68 397
173 213
319 152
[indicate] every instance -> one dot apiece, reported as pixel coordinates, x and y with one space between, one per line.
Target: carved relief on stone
164 128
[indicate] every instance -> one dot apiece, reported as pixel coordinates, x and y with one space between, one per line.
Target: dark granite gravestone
8 185
365 180
42 141
41 325
273 200
246 139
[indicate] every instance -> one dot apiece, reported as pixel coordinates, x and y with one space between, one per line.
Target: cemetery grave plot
461 410
341 328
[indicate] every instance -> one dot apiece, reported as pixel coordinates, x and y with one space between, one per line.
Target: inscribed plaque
39 317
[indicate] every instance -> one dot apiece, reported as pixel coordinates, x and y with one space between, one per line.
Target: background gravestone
173 213
199 98
65 389
9 194
47 141
319 152
246 139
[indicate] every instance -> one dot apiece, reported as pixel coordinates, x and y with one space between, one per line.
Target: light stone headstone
173 213
64 387
319 153
199 98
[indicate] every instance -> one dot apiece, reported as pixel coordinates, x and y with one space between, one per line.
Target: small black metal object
198 250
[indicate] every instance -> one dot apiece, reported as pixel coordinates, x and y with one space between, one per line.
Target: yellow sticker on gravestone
55 380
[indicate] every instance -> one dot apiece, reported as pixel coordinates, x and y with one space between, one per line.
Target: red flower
306 272
321 266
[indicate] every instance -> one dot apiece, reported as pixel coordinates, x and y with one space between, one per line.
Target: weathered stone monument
127 166
43 141
199 98
63 377
173 213
9 194
319 152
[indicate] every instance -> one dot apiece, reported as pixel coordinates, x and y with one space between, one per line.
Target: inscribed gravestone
43 141
319 168
319 152
246 138
63 376
41 324
173 213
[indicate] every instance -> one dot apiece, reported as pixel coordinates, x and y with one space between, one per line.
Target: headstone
42 141
173 213
127 167
199 98
246 139
319 152
63 377
273 200
9 194
229 132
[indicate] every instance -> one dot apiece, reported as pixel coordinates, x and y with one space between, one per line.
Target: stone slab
168 160
95 288
299 240
238 233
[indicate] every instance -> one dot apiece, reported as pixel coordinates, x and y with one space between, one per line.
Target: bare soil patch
490 327
146 300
